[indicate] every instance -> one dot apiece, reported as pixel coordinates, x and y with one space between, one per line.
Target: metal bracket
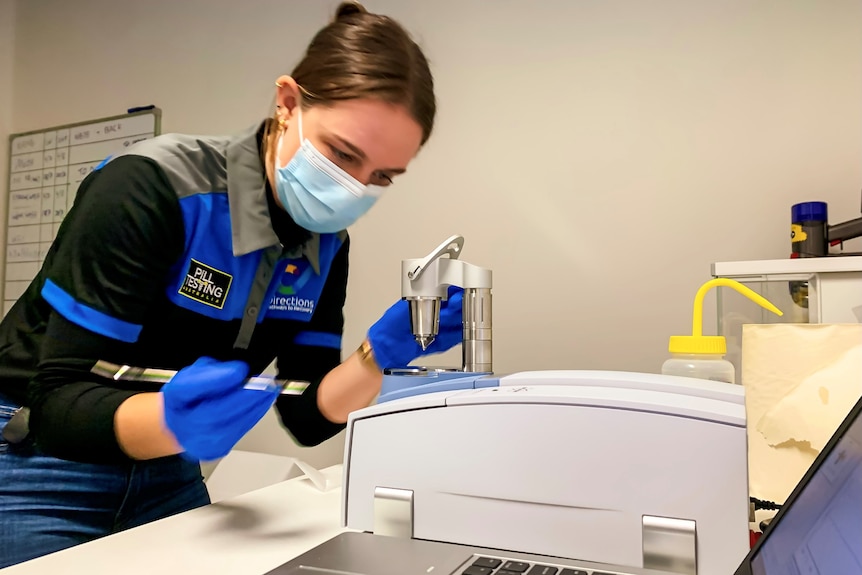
393 512
670 544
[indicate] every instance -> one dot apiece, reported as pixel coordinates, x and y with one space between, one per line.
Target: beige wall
597 154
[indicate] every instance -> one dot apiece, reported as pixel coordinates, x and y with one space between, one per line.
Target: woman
211 256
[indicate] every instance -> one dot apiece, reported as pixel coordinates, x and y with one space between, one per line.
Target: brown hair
364 55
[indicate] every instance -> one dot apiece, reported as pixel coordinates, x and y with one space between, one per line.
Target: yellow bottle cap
697 343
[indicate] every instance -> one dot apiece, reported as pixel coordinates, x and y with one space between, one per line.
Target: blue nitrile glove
207 409
393 342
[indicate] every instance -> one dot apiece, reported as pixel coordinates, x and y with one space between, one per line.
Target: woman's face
371 140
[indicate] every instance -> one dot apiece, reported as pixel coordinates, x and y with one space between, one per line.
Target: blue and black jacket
172 251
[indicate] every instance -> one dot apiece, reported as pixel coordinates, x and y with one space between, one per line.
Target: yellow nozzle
699 343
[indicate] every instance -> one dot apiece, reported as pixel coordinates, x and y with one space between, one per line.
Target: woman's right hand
208 410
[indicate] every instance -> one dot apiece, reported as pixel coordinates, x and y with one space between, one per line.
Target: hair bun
347 9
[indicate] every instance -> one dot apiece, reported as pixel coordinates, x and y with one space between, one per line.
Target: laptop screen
821 531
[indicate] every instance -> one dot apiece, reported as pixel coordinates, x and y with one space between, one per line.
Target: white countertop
249 534
252 533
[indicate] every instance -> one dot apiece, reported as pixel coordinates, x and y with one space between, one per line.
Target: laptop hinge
393 512
670 544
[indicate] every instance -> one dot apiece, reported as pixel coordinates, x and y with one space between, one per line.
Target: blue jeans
48 504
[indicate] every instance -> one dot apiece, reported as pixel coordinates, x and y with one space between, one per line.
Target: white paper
811 412
320 479
788 370
244 471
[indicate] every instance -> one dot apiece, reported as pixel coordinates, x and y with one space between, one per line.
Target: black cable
767 505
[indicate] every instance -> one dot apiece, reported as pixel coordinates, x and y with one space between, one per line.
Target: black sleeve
299 413
108 264
72 411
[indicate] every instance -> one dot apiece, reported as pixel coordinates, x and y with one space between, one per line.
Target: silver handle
155 375
452 246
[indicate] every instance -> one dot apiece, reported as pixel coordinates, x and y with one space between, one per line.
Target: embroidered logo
206 285
296 275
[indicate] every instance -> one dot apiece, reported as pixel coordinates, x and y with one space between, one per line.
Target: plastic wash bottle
702 356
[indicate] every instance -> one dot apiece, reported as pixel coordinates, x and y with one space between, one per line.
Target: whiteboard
45 169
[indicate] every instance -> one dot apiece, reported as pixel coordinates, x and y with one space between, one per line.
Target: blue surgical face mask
319 195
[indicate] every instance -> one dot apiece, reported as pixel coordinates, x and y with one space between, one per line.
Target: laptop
818 531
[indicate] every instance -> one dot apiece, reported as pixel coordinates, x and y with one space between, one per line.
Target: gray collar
311 250
251 225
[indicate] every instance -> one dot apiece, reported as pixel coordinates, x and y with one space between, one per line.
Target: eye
342 156
381 179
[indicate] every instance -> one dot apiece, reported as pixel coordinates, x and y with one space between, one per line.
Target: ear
286 95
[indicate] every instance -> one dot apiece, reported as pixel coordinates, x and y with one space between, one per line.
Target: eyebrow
359 153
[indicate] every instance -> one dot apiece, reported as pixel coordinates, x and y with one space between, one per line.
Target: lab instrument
828 290
632 469
811 236
425 282
817 531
